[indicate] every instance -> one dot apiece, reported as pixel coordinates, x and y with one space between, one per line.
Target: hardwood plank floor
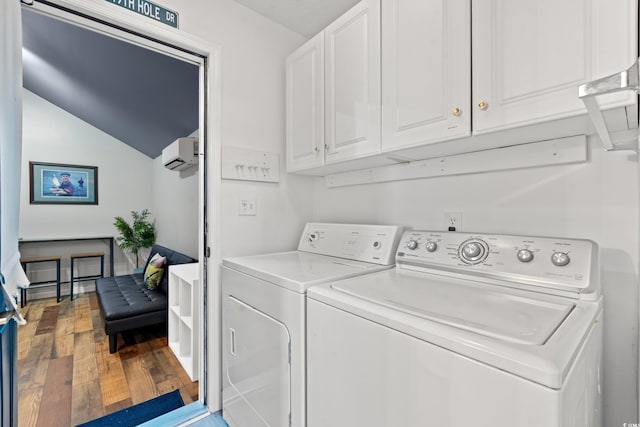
67 376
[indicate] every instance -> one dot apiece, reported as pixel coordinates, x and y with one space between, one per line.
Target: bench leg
113 343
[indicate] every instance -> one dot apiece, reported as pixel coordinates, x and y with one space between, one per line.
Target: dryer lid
464 304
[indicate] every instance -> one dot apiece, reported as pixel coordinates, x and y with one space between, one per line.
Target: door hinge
208 252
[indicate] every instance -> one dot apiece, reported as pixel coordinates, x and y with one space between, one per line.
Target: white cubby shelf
184 319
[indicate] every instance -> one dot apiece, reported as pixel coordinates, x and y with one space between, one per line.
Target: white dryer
264 312
468 330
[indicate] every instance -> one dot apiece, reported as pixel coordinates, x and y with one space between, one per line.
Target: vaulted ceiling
142 98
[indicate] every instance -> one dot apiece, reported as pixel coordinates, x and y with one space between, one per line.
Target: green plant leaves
141 233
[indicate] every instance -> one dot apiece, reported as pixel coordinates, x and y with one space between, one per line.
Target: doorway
144 37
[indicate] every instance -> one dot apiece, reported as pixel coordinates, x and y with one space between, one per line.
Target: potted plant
133 237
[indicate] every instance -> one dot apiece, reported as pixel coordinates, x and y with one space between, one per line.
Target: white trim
210 121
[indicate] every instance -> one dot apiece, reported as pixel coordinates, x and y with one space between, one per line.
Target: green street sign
150 10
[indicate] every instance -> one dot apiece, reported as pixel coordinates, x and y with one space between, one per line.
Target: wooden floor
67 376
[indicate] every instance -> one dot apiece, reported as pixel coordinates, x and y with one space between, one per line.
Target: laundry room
368 139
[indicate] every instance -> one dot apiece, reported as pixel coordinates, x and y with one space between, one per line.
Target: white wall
125 178
54 136
175 207
597 200
253 52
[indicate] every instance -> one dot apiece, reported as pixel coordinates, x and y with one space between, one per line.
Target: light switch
247 207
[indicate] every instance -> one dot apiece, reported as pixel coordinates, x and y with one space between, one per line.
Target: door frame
136 29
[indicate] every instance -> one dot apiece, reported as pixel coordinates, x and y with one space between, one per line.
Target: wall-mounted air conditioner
181 154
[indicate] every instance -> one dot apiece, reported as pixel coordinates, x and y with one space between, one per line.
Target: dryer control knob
525 255
431 246
412 244
560 259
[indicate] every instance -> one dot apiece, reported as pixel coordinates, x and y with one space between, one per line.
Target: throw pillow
154 272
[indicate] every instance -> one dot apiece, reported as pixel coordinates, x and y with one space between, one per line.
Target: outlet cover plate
453 219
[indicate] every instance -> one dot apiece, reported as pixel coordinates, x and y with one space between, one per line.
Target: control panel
568 263
369 243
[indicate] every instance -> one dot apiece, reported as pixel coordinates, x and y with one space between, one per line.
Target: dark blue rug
139 413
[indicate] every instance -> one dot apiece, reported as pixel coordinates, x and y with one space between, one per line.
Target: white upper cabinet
352 83
426 71
529 57
417 79
305 106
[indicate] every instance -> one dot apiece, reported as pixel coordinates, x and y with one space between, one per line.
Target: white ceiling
305 17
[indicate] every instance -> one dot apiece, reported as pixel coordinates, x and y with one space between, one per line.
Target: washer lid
466 305
298 271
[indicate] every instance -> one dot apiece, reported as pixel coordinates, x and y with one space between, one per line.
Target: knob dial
377 244
313 237
525 255
560 259
473 251
412 244
431 246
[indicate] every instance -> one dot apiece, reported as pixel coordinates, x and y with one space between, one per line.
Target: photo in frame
58 184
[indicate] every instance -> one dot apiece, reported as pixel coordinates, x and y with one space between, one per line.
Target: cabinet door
426 71
352 83
529 57
305 106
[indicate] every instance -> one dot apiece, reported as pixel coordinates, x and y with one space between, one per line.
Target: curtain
10 143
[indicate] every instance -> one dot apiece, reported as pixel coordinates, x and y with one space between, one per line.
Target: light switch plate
247 207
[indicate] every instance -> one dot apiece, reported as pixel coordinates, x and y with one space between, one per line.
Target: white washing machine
264 312
468 330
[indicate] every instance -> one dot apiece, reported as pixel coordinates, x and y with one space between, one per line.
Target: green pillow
154 272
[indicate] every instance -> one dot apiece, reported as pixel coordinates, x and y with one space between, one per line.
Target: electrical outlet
453 219
247 207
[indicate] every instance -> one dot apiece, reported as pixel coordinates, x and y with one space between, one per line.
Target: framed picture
58 184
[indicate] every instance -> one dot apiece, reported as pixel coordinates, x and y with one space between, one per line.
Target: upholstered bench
126 303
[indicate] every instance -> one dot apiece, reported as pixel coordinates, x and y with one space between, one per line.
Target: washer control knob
377 244
525 255
472 250
313 237
431 246
560 259
412 244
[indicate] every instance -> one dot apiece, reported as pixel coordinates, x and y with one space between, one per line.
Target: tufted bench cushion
125 303
126 296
